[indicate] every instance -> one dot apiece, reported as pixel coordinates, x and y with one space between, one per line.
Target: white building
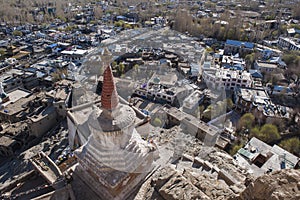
77 54
265 67
229 79
290 43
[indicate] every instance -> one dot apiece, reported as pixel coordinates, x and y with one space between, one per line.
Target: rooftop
257 96
15 95
274 157
266 65
6 141
240 43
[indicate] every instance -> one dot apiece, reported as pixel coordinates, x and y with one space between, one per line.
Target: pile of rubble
283 184
193 172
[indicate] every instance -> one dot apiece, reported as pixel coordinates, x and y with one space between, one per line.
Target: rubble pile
195 172
283 184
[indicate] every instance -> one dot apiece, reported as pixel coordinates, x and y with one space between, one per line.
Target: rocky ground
283 184
191 170
194 171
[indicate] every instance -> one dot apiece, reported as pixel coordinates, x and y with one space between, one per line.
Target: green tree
250 59
201 109
17 33
292 145
247 121
121 68
235 148
136 67
114 64
255 132
2 52
291 57
269 133
208 112
229 104
127 26
157 122
119 23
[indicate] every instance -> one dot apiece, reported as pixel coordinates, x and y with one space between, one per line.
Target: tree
247 121
250 59
201 109
157 122
98 12
292 145
121 68
269 133
229 104
235 148
255 132
17 33
208 112
136 67
114 64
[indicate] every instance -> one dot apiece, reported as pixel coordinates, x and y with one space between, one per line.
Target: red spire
109 95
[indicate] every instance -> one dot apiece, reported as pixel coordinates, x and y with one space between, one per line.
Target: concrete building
42 121
265 67
191 103
8 145
71 55
193 126
259 158
289 43
247 99
234 46
13 110
164 89
229 79
233 62
257 101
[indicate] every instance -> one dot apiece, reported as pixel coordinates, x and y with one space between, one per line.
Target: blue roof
280 88
52 45
235 66
120 17
255 73
249 45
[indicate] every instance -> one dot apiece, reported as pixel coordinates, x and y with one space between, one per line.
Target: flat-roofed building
289 43
13 110
229 79
258 158
8 145
247 99
42 121
76 54
192 102
265 67
193 126
234 46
